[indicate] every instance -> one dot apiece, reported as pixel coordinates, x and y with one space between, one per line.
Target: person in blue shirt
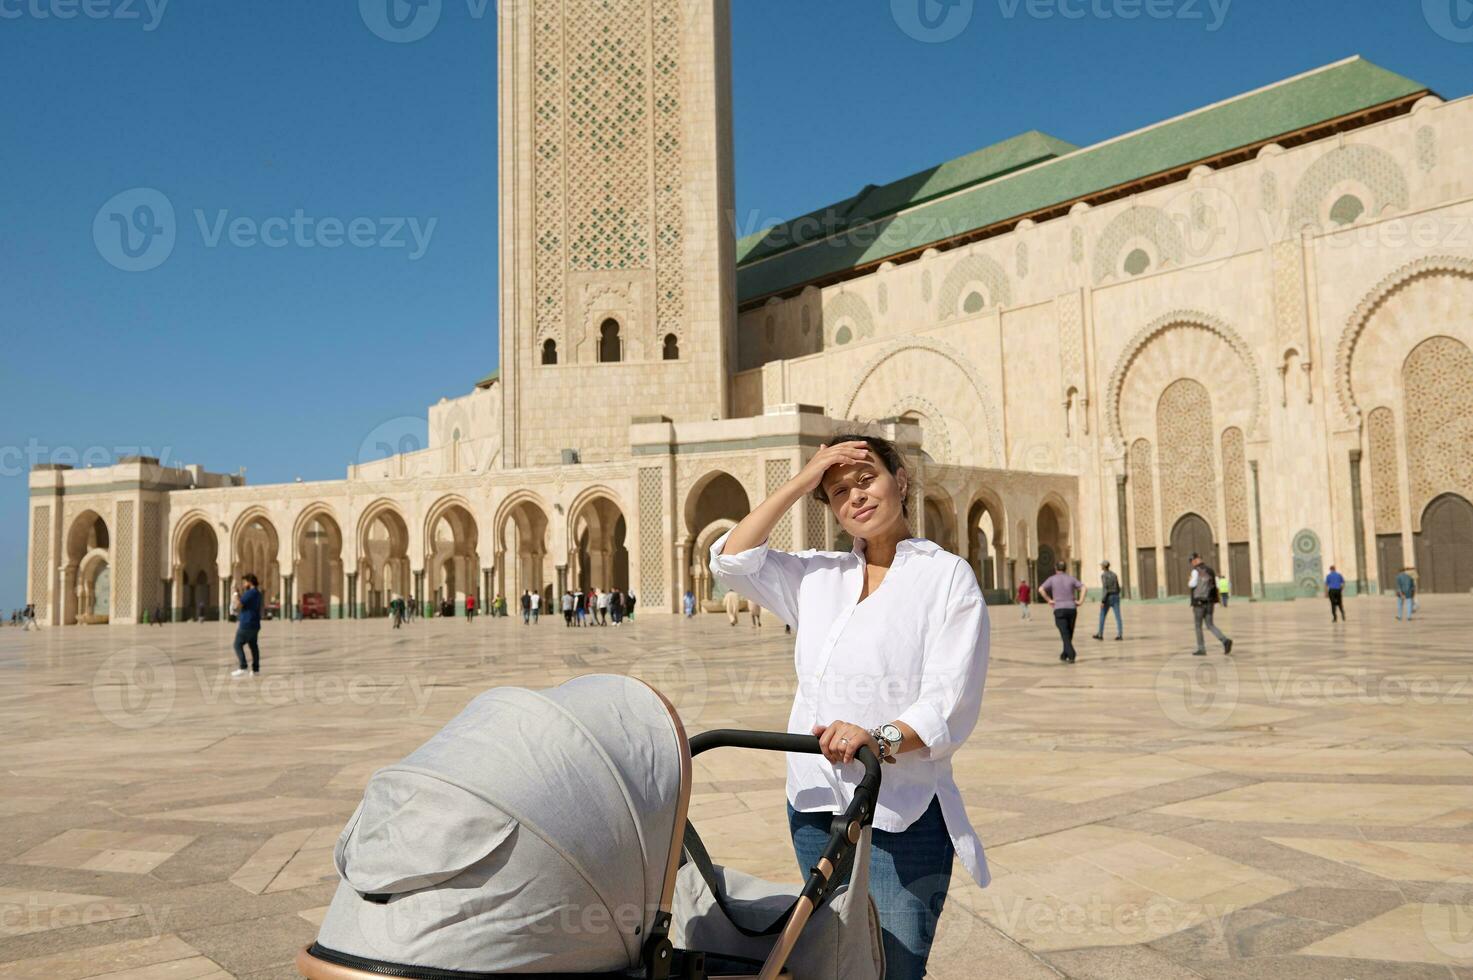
1406 594
248 628
1335 589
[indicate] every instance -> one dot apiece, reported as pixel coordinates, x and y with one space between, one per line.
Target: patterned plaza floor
1303 809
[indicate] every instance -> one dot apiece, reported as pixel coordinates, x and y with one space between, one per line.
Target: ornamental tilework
1375 171
1235 484
1438 384
41 557
1426 149
1184 433
778 472
651 532
122 555
974 271
1076 245
1289 312
1268 192
1021 260
150 563
847 311
1132 227
669 204
1385 472
1143 492
1070 311
1309 568
549 263
814 516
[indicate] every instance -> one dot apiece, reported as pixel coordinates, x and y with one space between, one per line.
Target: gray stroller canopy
539 831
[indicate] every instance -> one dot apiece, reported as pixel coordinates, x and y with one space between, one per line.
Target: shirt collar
907 546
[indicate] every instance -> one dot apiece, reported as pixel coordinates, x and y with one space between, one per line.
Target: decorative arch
1371 167
1427 268
987 555
977 268
598 540
1138 223
182 529
509 508
1156 329
851 307
935 437
440 508
946 351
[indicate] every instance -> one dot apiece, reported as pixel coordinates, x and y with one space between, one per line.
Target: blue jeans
245 636
908 876
1111 601
1405 603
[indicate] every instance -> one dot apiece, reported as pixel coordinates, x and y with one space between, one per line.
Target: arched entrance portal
940 526
197 574
1191 534
318 582
1053 539
453 563
715 504
600 553
1445 545
256 549
383 561
523 536
984 545
87 544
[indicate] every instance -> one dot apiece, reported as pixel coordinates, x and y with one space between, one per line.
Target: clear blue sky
283 360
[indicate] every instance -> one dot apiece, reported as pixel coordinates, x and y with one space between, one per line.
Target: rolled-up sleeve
953 672
769 578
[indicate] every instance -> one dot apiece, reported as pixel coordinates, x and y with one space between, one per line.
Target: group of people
594 607
1063 592
25 618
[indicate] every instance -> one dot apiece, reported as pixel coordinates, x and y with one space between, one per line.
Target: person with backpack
1110 586
1202 587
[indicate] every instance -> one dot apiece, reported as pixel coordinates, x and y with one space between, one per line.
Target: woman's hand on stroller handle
841 741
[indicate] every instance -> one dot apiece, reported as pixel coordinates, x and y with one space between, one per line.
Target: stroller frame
660 960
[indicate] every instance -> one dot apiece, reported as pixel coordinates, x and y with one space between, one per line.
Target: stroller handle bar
869 786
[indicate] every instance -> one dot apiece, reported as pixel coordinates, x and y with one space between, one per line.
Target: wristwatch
888 738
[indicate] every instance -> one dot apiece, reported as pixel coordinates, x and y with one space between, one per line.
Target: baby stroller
543 835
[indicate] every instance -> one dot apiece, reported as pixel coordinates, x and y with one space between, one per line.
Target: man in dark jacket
1110 585
1202 587
248 627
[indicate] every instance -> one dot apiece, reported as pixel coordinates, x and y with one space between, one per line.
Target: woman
892 645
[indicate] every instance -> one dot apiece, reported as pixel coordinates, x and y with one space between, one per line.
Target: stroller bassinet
540 834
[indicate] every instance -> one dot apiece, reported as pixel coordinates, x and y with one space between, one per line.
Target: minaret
616 250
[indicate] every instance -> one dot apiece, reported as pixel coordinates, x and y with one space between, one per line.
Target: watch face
891 734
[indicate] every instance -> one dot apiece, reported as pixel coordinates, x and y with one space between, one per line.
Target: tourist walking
1110 586
568 608
1406 594
470 606
732 603
580 607
1202 586
924 628
1063 592
688 603
248 628
1335 589
30 617
616 606
526 607
1224 589
396 611
603 608
629 605
1025 596
536 605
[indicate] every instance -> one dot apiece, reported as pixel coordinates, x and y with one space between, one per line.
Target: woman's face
867 499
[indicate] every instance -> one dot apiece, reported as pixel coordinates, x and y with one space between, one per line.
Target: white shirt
914 651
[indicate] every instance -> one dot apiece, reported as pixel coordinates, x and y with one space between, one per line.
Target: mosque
1244 331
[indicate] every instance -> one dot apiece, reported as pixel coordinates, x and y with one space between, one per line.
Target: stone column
352 596
1358 512
288 601
1258 588
562 579
1121 507
683 567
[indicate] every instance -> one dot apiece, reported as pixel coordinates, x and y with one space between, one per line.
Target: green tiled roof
983 192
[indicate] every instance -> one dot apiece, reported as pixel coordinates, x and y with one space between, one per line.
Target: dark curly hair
885 451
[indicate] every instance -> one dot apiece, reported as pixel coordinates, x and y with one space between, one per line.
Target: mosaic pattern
778 472
814 514
1021 260
550 263
1235 484
1426 149
40 556
1184 433
1070 311
122 556
1438 380
1128 231
669 205
651 531
1268 191
1309 567
979 272
1370 167
1289 312
847 312
1076 245
1385 472
1143 492
150 561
